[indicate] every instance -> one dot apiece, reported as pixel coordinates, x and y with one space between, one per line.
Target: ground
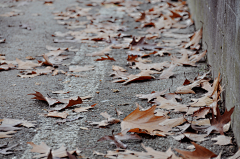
15 102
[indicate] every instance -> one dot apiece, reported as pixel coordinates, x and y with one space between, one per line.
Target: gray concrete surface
221 31
15 103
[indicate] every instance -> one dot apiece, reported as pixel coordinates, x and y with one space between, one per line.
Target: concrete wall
221 31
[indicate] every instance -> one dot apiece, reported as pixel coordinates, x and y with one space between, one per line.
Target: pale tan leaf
222 140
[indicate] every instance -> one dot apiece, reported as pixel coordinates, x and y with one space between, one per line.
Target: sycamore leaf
195 39
132 58
58 114
116 139
222 140
81 68
7 66
118 68
71 102
141 44
184 60
197 57
200 102
220 120
14 122
108 58
6 134
44 150
188 88
166 74
191 136
47 61
39 96
201 112
173 122
151 96
144 120
84 109
26 65
144 75
199 153
4 151
102 52
104 123
155 66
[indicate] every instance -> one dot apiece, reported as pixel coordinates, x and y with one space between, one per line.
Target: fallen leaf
39 96
60 92
132 58
167 73
151 96
7 67
220 120
116 139
199 153
191 136
84 109
6 134
103 58
101 53
30 58
118 68
144 75
15 122
58 114
137 121
26 65
69 103
142 45
195 39
4 151
104 123
222 140
201 112
44 150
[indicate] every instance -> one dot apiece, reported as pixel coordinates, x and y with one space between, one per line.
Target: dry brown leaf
142 45
195 39
102 52
7 67
200 102
118 68
44 150
39 96
184 60
58 114
116 139
199 153
6 134
191 136
143 121
144 75
222 140
201 112
25 123
172 104
81 68
155 66
173 122
4 150
220 120
151 96
84 109
69 103
26 65
104 123
60 92
187 89
132 58
167 73
105 58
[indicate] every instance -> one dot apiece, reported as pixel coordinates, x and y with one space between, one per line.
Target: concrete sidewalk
34 25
